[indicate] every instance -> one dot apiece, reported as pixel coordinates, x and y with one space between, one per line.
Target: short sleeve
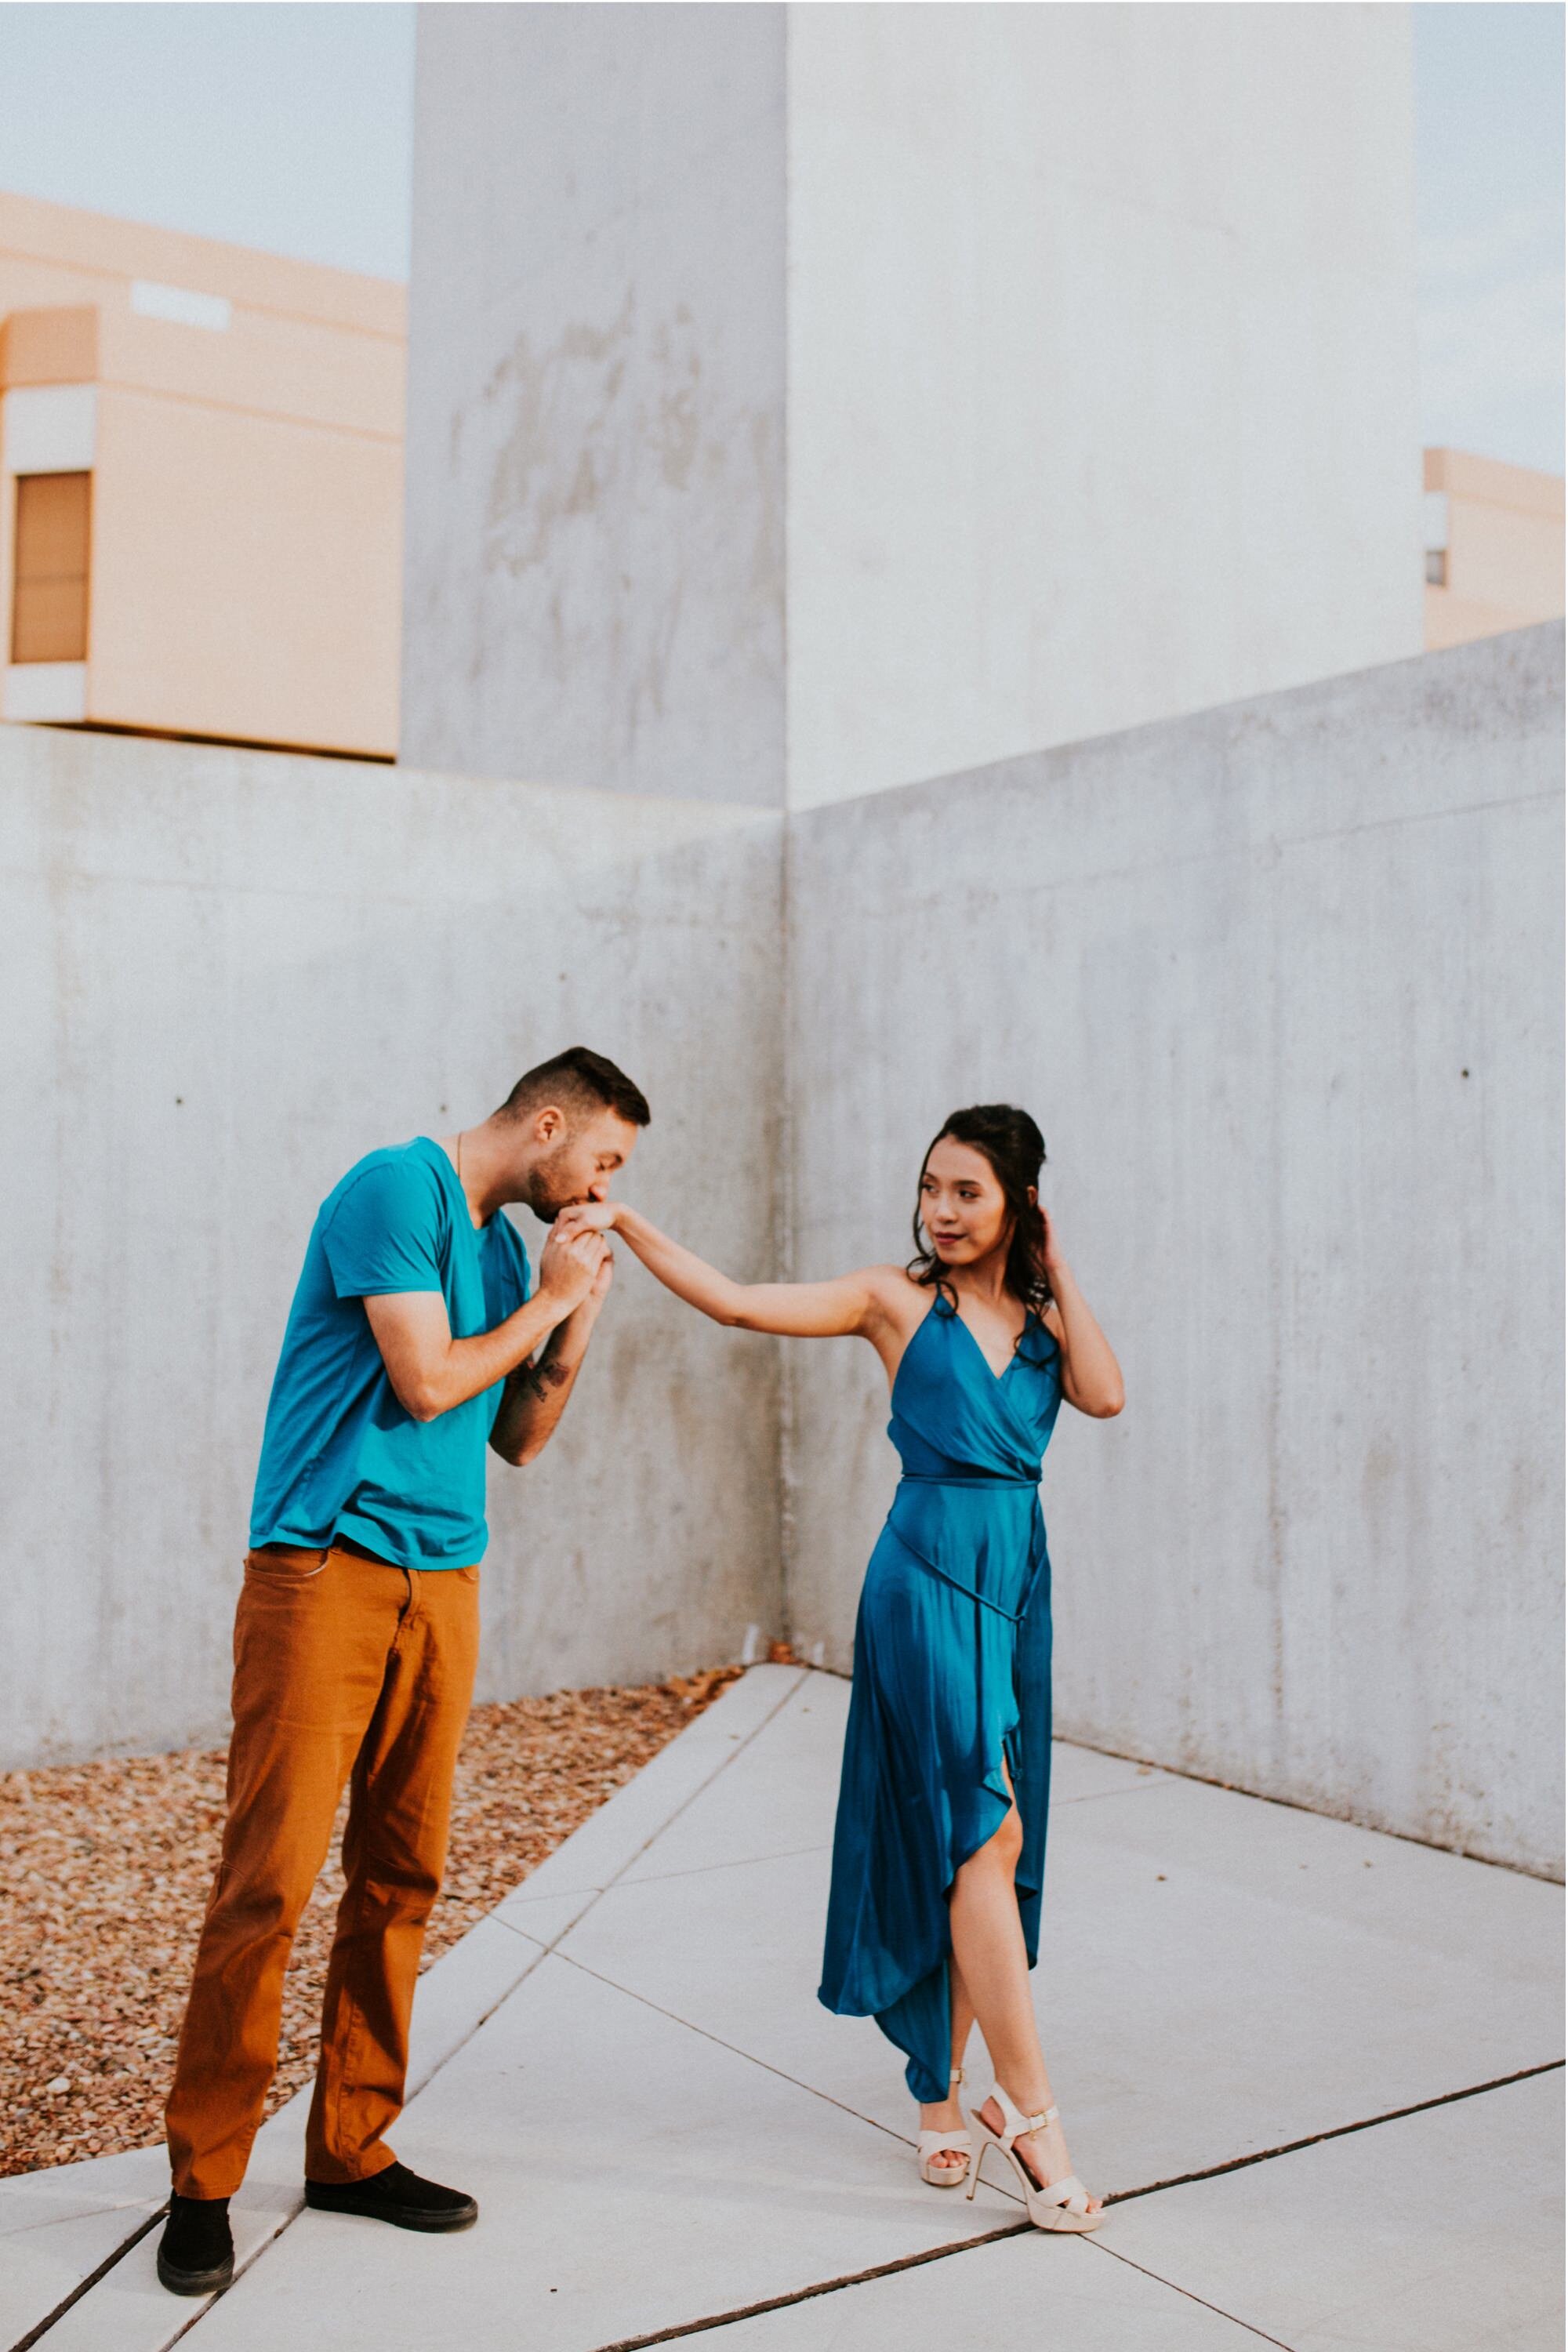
383 1234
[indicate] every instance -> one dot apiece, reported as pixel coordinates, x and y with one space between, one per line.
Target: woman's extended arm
807 1310
1092 1377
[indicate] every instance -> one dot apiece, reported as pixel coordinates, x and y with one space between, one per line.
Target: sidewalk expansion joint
735 2051
1335 2131
1296 1804
83 2286
53 2318
687 2327
739 1862
1177 2288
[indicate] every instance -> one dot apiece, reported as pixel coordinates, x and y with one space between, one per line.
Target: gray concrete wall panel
1089 332
226 976
1282 983
1102 387
594 563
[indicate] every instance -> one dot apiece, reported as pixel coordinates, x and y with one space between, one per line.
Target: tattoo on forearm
540 1377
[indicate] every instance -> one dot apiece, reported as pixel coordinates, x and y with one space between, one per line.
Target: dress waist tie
972 1478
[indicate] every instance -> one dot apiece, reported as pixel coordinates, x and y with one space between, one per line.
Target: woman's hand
1092 1377
1055 1262
590 1217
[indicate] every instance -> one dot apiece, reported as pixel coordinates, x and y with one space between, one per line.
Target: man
411 1341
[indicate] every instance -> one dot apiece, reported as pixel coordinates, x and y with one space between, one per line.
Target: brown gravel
104 1870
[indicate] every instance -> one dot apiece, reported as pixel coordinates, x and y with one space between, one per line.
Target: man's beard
547 1196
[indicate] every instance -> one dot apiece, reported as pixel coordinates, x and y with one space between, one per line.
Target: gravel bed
104 1872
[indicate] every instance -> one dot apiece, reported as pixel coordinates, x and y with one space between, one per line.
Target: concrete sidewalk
668 2134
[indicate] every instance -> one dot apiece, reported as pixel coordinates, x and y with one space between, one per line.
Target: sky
1488 214
288 125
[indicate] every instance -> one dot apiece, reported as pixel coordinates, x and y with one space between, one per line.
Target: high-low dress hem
951 1684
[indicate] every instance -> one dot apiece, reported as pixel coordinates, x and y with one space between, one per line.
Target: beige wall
1500 529
247 479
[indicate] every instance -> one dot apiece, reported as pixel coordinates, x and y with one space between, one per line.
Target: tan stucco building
1494 548
201 485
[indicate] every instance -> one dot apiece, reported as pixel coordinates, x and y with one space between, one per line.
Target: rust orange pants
345 1669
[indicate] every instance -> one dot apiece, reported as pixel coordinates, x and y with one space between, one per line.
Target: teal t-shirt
340 1455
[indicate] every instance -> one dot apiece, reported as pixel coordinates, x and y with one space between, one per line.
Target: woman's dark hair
1013 1145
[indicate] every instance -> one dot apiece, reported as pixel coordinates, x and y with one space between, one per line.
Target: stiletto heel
1059 2204
932 2144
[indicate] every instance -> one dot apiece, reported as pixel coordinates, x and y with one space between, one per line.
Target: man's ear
550 1125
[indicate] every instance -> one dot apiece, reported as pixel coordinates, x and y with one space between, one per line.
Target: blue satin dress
953 1675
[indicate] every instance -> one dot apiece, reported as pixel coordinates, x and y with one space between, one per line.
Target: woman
938 1853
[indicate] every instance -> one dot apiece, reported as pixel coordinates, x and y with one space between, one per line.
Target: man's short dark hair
581 1082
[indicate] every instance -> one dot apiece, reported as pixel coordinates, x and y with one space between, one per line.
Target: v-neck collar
998 1376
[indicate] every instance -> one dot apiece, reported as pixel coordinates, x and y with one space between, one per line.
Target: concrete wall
226 975
595 413
1102 396
1095 359
1281 984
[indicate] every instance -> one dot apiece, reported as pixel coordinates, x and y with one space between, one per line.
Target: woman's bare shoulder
895 1290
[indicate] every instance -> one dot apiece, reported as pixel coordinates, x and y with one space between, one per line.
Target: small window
48 603
1436 567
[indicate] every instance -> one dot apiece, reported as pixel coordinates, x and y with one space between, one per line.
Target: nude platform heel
932 2144
1061 2204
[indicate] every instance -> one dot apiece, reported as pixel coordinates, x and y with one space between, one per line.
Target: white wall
228 974
1102 398
594 565
1282 983
1094 357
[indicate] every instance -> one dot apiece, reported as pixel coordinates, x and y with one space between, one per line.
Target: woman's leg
988 1950
963 2011
947 2114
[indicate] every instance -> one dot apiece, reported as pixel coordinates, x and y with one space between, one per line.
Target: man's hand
535 1395
570 1263
571 1336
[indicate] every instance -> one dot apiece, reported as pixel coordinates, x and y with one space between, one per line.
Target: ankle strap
1017 2125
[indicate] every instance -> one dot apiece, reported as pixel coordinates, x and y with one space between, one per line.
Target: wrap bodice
971 1441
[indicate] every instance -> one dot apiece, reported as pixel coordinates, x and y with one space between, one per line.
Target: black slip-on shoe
398 2196
195 2253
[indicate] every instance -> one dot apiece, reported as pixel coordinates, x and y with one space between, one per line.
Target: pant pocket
285 1564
